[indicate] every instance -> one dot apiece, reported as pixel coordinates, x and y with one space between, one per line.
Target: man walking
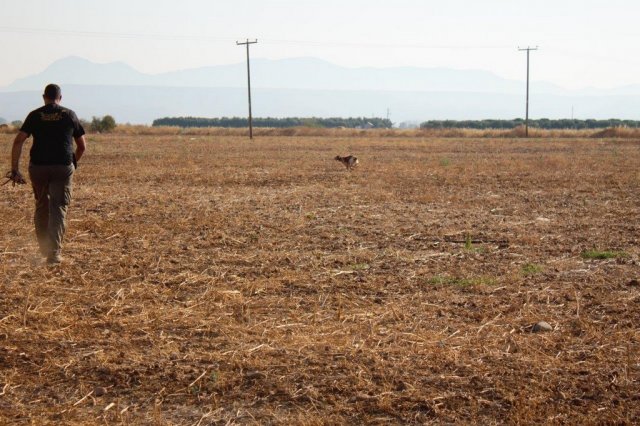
53 162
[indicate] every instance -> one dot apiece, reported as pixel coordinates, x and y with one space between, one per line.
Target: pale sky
583 43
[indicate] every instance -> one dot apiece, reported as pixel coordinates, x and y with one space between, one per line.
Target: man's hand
15 177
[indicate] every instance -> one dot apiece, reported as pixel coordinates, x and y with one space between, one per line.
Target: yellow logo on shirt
56 116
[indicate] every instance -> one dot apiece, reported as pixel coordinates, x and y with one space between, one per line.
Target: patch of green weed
360 266
444 280
531 269
468 245
606 254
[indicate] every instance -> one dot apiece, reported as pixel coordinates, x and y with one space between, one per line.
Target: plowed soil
214 280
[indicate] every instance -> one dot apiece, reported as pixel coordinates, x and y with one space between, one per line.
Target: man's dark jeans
52 190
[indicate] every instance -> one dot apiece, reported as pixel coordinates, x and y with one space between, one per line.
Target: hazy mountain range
306 87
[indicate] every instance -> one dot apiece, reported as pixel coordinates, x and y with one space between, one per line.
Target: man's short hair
53 92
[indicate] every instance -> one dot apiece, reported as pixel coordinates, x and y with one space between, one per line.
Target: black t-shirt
53 128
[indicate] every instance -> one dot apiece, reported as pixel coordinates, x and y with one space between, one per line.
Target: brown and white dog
349 162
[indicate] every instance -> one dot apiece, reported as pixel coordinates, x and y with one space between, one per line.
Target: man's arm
14 175
16 151
81 146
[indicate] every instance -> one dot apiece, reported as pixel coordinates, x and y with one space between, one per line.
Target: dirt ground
213 280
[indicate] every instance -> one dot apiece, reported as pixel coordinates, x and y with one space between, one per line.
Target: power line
384 45
101 34
247 43
526 121
195 37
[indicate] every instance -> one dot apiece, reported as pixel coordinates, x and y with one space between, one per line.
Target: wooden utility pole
526 120
247 43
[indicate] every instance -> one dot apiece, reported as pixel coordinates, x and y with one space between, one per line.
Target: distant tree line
104 124
335 122
542 123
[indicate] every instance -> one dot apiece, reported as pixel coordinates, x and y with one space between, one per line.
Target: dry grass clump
518 132
213 280
7 129
618 132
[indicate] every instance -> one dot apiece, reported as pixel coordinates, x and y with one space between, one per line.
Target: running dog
349 162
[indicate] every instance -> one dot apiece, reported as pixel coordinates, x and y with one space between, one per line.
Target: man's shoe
54 258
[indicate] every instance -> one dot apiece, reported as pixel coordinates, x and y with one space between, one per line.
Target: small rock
99 391
364 397
401 386
255 375
541 326
633 283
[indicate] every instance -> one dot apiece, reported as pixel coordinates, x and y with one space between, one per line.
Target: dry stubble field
212 280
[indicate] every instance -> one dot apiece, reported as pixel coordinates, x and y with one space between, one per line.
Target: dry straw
518 132
213 280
